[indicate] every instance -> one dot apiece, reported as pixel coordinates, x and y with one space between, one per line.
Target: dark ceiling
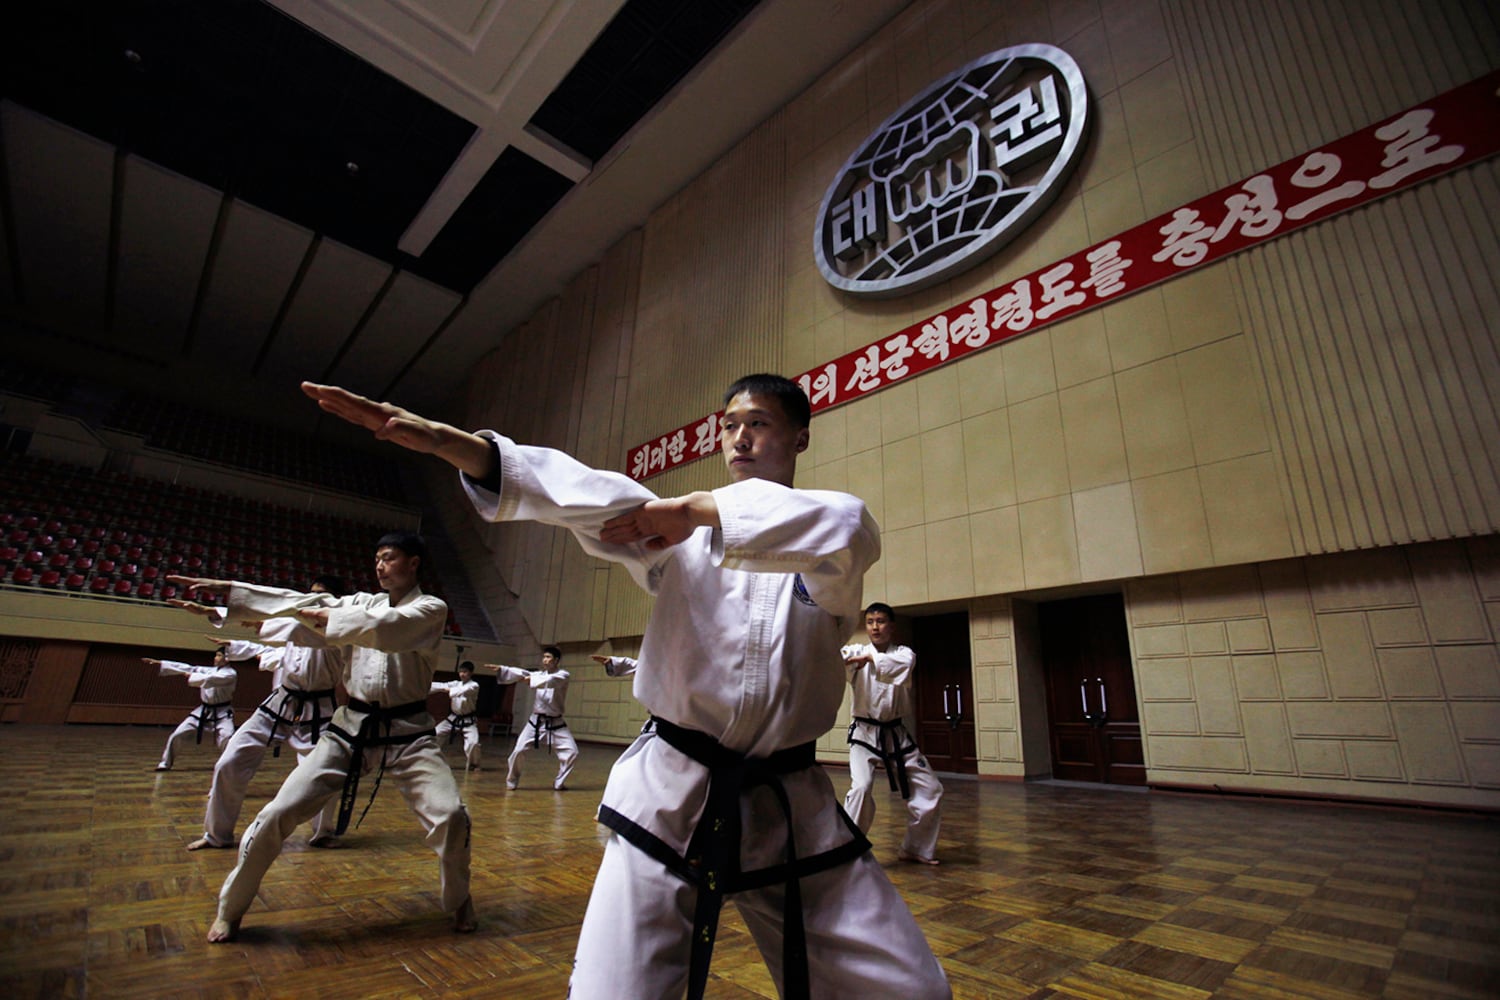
238 96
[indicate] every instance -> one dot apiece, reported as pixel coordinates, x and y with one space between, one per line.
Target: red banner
1450 131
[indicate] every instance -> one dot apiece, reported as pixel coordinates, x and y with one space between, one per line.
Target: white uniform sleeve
552 487
828 538
620 666
542 679
243 649
511 675
894 666
169 667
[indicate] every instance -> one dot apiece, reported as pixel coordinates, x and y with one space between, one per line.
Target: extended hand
193 607
199 585
388 421
317 617
660 523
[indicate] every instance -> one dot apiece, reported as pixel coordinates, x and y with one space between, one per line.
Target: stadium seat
75 581
49 578
123 588
99 585
22 575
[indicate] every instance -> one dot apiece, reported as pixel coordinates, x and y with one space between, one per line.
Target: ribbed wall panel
712 299
1373 329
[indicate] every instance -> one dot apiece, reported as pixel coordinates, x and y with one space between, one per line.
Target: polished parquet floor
1046 891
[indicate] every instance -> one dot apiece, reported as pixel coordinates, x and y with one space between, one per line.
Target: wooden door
943 692
1093 723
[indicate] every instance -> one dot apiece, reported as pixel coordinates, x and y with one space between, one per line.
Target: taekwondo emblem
799 591
955 174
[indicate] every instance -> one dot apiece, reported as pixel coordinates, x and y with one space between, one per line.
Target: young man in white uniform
545 725
385 727
215 709
463 708
757 586
302 703
879 675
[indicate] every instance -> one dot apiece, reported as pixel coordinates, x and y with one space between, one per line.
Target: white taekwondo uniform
463 704
306 671
215 710
742 650
384 728
880 699
545 726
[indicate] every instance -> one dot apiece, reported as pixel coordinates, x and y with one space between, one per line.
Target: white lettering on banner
1106 269
1412 149
1013 308
824 387
640 462
1057 291
1315 171
706 436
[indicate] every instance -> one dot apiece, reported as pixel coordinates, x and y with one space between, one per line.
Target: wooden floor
1045 891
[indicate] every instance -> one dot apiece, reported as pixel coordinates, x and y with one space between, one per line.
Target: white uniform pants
223 728
923 818
562 743
417 769
470 736
862 941
238 764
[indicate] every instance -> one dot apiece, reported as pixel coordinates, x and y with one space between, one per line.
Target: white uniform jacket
215 684
880 690
549 689
463 696
395 647
743 642
620 666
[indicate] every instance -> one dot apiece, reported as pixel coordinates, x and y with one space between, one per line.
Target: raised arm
616 666
388 422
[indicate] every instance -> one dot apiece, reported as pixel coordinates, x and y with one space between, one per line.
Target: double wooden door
943 692
1094 726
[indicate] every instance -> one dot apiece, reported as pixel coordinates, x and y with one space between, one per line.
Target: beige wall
1331 391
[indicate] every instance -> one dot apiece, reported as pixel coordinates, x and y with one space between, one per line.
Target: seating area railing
74 530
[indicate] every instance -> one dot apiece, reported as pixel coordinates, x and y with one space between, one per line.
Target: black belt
300 700
365 738
890 751
713 858
545 724
460 723
211 716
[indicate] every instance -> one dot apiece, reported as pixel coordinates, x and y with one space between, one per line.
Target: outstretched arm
388 422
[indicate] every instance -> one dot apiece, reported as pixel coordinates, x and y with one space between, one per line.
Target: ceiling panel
63 179
253 269
166 224
338 288
407 316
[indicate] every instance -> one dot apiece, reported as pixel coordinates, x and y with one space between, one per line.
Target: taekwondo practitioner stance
215 711
757 585
879 675
546 724
384 728
296 711
463 707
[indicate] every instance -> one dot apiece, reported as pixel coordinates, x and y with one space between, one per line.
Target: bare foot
164 767
328 842
203 842
223 930
464 920
917 859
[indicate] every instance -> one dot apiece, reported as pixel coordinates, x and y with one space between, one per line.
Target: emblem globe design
955 174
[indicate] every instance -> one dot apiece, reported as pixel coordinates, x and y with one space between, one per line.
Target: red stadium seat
49 578
146 590
99 585
124 587
22 575
75 581
59 560
107 566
